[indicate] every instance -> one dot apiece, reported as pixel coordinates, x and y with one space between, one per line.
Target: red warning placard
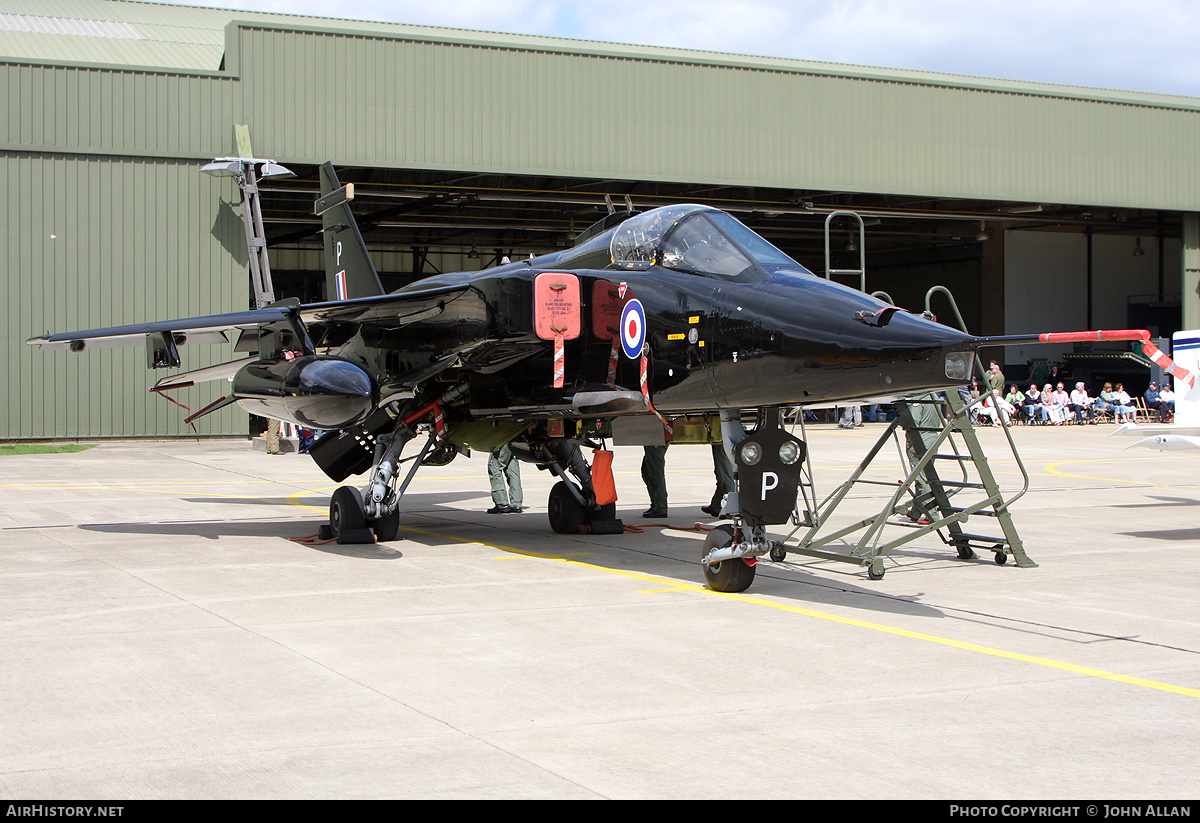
608 299
557 311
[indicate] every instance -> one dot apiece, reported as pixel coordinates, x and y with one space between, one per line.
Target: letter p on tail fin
349 272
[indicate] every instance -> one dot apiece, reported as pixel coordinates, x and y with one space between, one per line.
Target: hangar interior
1038 261
1039 207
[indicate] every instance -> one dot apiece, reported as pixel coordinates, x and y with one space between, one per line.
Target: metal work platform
932 448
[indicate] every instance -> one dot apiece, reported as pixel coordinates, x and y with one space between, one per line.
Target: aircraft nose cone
331 394
317 392
335 377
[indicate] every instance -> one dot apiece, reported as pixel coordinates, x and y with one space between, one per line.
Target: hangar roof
425 112
162 36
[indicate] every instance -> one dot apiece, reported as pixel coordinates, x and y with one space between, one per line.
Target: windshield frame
645 240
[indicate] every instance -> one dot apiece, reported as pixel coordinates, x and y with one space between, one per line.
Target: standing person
920 421
995 379
851 417
505 474
654 475
723 469
272 436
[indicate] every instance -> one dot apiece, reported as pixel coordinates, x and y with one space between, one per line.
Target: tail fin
349 272
1185 350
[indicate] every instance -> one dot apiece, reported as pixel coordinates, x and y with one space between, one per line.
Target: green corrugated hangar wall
108 220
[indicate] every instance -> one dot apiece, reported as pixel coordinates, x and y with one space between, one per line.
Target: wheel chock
607 527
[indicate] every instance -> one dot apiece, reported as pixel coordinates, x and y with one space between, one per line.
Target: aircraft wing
1161 436
398 308
221 371
1134 430
213 328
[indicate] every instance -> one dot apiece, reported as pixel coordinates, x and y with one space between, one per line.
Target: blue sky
1145 46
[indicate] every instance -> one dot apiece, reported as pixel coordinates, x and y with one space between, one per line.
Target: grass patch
37 448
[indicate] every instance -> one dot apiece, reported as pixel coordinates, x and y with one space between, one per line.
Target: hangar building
1041 207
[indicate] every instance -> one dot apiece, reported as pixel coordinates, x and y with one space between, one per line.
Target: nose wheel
348 521
346 512
729 576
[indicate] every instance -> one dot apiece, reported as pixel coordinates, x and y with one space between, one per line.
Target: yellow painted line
548 556
973 647
1052 468
118 485
674 586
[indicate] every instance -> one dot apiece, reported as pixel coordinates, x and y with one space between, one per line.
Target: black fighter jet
676 310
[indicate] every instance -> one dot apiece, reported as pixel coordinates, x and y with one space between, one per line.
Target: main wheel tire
729 576
387 527
346 510
564 511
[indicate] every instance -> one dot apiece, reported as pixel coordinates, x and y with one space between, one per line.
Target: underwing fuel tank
315 391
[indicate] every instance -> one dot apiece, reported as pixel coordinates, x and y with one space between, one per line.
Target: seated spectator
1035 412
1063 401
1123 406
1151 396
1166 404
992 405
1050 406
1081 404
1016 399
1105 403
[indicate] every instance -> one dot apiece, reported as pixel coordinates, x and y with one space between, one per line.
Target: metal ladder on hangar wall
924 501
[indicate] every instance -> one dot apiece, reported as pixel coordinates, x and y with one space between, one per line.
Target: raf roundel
633 329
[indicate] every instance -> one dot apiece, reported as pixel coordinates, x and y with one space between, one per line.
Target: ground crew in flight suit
654 475
505 474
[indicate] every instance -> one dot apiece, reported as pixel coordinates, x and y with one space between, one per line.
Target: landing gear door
768 465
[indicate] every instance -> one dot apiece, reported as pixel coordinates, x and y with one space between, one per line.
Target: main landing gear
572 507
372 515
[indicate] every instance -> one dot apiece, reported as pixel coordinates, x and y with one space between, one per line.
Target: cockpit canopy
693 238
